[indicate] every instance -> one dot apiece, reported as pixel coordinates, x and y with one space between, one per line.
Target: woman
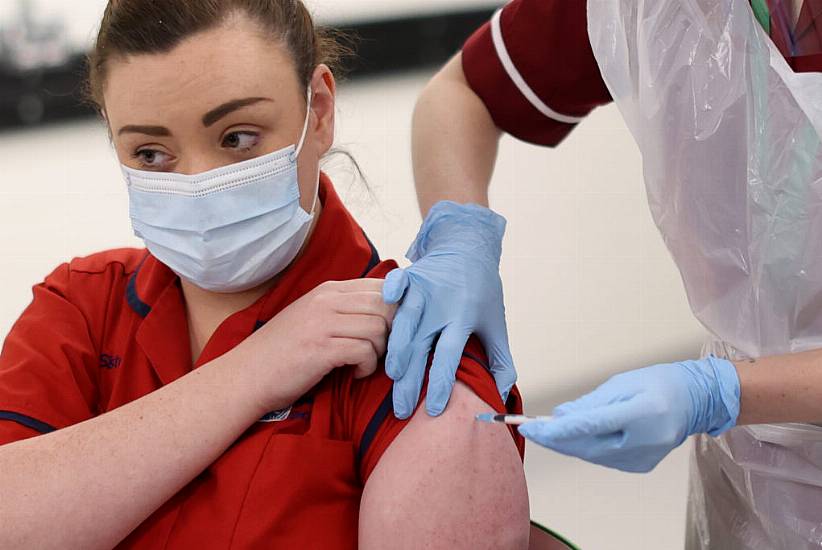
150 377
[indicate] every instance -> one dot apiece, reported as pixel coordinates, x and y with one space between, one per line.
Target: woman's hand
334 325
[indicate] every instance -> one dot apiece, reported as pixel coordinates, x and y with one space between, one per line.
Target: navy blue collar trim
375 257
140 307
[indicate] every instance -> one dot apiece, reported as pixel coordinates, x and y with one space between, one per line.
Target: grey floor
590 288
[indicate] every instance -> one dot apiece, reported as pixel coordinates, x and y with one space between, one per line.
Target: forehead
231 61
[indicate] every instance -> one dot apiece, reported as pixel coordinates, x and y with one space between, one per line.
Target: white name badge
276 416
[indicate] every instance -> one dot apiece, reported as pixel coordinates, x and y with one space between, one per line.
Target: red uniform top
533 67
105 330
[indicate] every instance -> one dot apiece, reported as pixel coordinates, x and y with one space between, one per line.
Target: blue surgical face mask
229 229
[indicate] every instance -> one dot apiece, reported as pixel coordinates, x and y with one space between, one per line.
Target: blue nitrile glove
636 418
452 290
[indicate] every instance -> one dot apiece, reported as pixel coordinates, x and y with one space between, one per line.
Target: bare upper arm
447 482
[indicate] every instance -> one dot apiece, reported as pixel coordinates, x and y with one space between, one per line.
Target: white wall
590 288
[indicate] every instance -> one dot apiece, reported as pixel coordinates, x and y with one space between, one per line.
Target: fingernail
390 366
401 411
437 401
434 411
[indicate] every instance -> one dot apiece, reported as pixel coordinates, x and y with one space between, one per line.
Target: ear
323 102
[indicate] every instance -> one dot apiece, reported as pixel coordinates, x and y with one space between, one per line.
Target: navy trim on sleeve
386 407
476 359
27 421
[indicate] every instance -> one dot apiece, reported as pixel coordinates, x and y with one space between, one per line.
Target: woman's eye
151 158
242 141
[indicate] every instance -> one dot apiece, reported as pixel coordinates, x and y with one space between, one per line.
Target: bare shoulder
447 482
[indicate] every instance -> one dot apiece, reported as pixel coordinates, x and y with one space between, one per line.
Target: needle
514 419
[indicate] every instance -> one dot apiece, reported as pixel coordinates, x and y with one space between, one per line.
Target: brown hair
157 26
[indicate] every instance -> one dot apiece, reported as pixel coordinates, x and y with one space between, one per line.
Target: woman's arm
784 388
447 482
88 486
454 141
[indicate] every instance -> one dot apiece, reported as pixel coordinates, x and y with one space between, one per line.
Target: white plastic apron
730 139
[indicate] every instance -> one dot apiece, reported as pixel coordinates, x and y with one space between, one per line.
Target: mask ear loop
299 148
303 136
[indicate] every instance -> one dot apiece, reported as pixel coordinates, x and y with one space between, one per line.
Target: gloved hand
452 290
636 418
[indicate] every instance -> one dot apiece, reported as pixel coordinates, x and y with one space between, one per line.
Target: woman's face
220 97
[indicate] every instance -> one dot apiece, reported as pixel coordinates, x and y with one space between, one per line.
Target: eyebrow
158 131
225 109
209 119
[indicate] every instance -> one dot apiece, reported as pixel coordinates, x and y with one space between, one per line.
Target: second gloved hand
452 290
636 418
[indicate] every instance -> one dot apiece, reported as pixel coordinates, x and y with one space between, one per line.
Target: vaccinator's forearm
455 141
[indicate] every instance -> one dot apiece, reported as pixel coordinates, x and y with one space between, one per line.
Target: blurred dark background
42 71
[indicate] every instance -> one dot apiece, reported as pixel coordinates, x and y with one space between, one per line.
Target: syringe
514 419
